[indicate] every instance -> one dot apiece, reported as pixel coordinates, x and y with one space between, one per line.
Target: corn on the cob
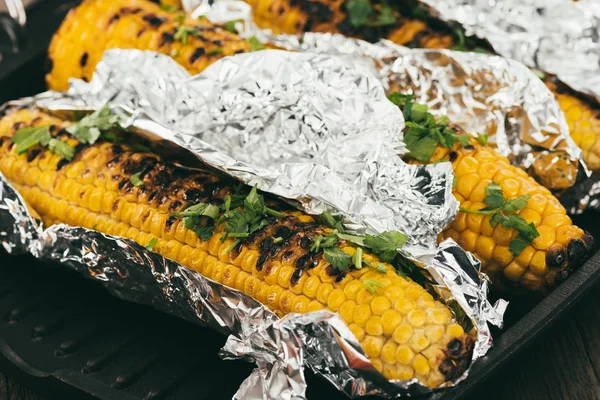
560 247
403 330
98 25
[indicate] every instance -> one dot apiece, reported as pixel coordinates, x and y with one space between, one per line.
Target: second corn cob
111 188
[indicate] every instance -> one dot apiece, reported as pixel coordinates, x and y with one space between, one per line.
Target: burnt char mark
296 277
141 32
239 51
18 125
319 11
123 184
305 242
174 206
169 223
145 216
130 10
415 42
266 244
302 261
341 277
113 19
452 156
283 232
166 37
153 20
331 270
32 154
193 196
556 256
260 263
275 249
199 52
84 59
153 195
62 163
116 149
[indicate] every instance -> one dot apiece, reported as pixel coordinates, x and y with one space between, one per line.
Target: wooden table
564 364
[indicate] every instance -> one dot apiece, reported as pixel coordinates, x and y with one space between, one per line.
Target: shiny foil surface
485 95
311 128
556 36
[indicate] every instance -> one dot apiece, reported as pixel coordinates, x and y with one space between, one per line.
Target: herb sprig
423 131
503 211
27 138
361 13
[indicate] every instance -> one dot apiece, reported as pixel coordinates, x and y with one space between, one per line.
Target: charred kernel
153 20
287 255
141 32
175 205
341 277
266 244
199 52
447 368
555 256
455 347
61 164
260 263
561 276
302 261
165 38
305 242
169 223
32 154
275 249
576 250
296 277
114 18
84 59
452 156
283 232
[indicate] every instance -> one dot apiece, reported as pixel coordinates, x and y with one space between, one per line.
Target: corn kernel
388 352
538 263
335 299
362 313
357 331
390 320
374 326
347 310
546 238
323 292
402 333
421 365
372 346
404 354
455 331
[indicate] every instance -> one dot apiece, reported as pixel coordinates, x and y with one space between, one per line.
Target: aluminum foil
328 140
483 94
557 36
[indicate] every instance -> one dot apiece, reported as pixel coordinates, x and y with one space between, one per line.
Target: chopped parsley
215 51
192 219
255 44
180 18
183 32
338 259
63 149
361 13
370 285
230 26
503 211
150 246
136 180
423 131
168 8
26 138
331 222
482 139
90 127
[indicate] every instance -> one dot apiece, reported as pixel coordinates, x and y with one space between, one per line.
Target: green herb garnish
168 8
150 246
180 18
61 148
338 259
183 32
136 180
370 285
26 138
386 244
230 26
331 222
215 51
423 131
90 127
482 139
255 44
362 13
503 211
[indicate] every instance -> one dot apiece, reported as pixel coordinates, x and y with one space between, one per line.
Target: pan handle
16 9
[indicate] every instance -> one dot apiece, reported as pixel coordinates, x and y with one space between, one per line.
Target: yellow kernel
286 301
510 188
503 236
374 326
441 315
487 171
300 304
377 364
546 238
380 305
434 333
465 184
455 330
390 320
273 295
421 365
474 220
485 247
347 310
314 305
556 220
460 222
468 240
525 257
502 255
402 333
404 354
419 341
537 203
468 165
311 286
565 233
357 331
364 296
538 263
388 352
514 271
531 216
405 372
416 317
362 313
335 299
393 293
285 274
323 292
249 260
404 305
351 289
372 346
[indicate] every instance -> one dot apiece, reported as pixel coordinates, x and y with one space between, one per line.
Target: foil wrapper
483 94
556 36
322 135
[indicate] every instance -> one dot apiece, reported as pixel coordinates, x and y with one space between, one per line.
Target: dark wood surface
564 364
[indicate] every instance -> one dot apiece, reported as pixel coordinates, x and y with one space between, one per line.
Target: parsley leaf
183 32
332 222
359 12
180 18
168 8
386 244
503 211
199 210
26 138
150 246
400 99
89 128
338 259
482 139
384 17
255 44
230 26
215 51
61 148
136 180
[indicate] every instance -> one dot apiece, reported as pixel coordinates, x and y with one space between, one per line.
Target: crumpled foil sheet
556 36
244 98
482 94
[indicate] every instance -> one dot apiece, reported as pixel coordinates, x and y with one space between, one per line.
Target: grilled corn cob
99 25
560 247
402 329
